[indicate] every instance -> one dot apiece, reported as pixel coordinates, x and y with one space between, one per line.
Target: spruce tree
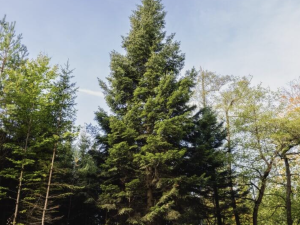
151 115
61 124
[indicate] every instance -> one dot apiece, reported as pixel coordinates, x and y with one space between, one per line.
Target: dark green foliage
153 170
204 166
82 204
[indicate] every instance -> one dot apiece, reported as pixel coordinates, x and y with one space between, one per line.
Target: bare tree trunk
49 184
21 177
288 191
203 88
261 192
261 189
18 196
51 169
217 203
233 201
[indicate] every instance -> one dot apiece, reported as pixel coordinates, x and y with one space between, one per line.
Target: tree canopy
175 148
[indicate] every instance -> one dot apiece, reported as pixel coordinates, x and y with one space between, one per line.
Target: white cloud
261 38
90 92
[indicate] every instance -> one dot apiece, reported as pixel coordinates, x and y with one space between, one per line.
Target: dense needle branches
161 161
151 116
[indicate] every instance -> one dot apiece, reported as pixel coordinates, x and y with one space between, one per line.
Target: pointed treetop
146 34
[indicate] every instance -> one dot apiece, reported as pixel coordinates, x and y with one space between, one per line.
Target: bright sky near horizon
234 37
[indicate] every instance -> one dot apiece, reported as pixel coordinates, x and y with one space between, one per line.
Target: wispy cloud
90 92
254 37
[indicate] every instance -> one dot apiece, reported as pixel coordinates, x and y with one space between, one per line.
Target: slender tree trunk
21 177
49 184
288 192
233 201
261 192
18 195
203 88
263 179
217 203
51 170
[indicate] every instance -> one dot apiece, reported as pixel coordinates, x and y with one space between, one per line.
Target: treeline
198 148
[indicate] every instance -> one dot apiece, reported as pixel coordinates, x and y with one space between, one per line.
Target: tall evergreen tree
62 115
150 117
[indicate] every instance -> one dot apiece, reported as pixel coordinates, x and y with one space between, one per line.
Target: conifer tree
150 118
61 113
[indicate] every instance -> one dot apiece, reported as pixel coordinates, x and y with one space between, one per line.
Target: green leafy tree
26 96
12 52
286 138
224 94
208 87
12 55
256 154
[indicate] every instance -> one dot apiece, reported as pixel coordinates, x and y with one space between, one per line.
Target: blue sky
234 37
